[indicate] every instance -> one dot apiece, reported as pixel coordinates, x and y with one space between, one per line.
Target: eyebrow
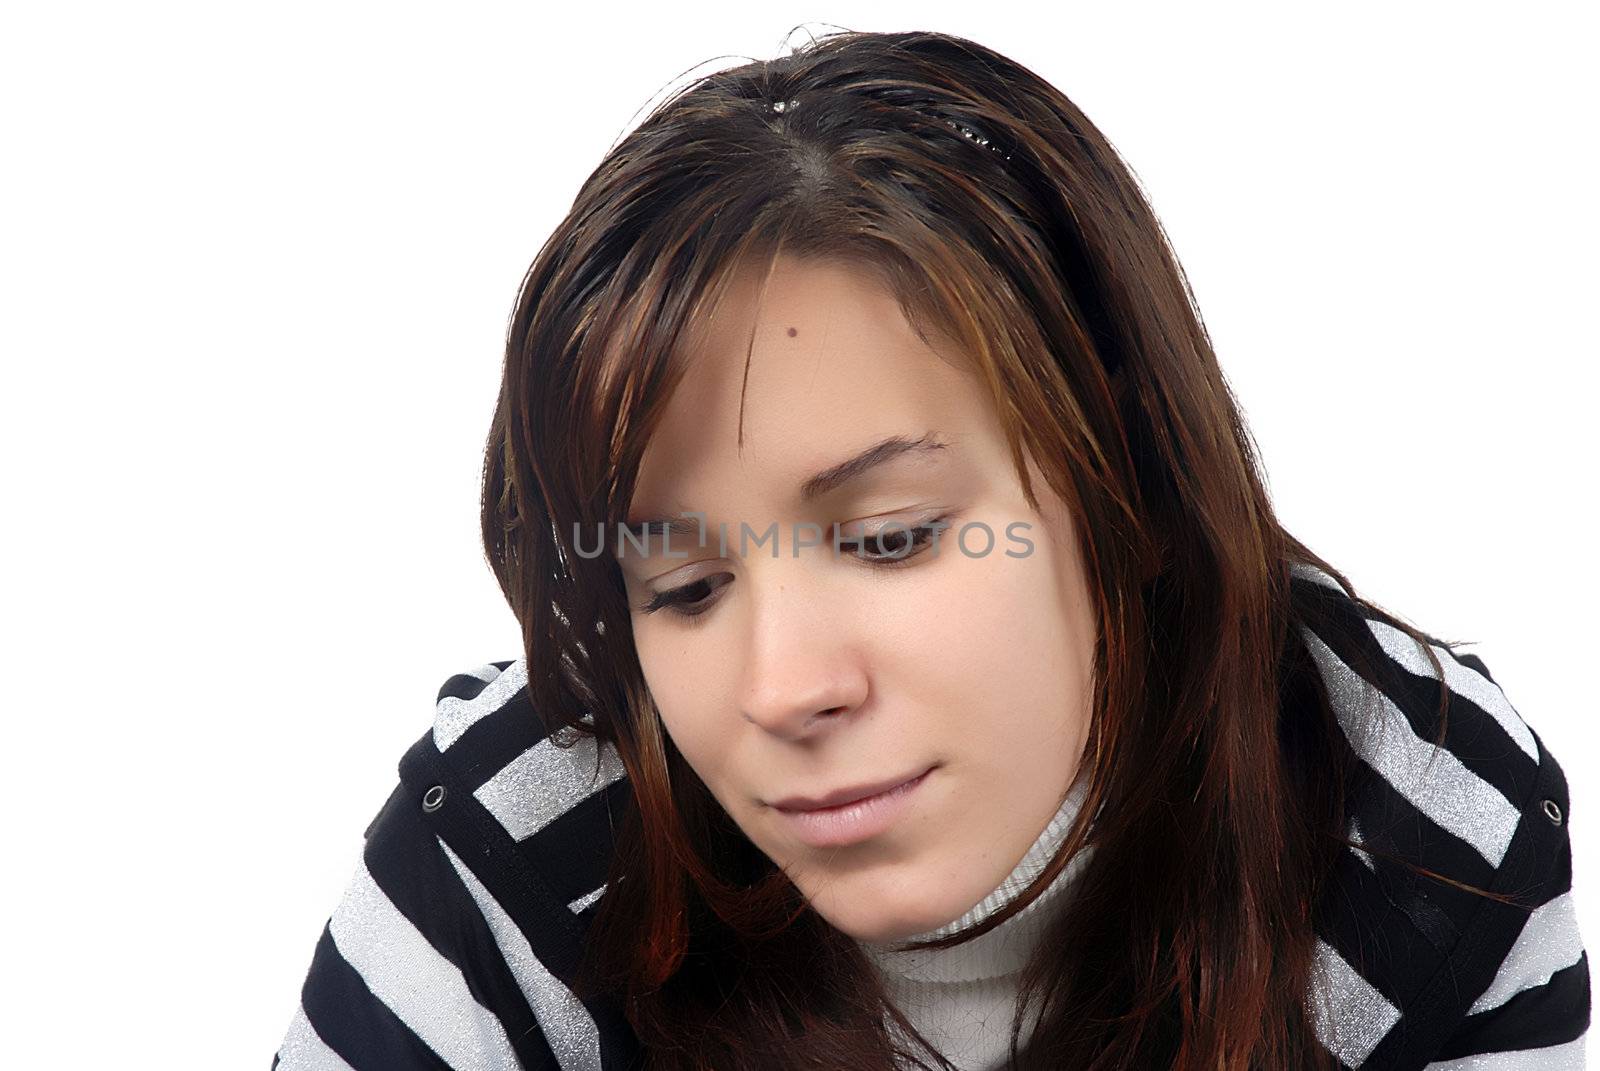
879 453
822 483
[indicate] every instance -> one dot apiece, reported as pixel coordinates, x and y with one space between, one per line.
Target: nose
804 672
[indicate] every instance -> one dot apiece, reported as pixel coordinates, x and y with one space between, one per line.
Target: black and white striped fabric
456 938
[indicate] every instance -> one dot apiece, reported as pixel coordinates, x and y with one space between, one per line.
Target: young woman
914 671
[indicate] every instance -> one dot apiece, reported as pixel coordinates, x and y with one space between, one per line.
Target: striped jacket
480 876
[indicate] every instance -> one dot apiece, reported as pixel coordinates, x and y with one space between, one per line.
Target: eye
889 546
894 544
689 600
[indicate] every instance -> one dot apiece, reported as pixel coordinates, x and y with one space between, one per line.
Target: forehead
833 365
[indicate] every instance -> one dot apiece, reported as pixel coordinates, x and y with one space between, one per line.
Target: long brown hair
1001 217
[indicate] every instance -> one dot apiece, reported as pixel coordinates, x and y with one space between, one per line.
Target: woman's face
805 670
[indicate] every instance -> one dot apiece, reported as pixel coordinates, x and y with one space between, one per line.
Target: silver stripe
1432 778
1549 941
1462 680
568 1027
419 985
1351 1017
545 781
486 672
1564 1057
304 1050
1308 571
1355 835
455 716
585 900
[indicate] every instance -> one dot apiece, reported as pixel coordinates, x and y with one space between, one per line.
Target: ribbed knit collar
1005 949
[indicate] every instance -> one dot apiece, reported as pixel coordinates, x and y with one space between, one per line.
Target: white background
257 263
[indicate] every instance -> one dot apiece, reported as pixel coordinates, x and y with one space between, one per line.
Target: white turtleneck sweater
963 999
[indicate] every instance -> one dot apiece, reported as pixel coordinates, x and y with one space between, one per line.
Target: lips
857 822
842 796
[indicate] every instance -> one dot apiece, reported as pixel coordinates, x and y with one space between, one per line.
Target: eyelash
920 536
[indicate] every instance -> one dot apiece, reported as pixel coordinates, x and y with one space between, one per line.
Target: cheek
1001 642
680 678
981 619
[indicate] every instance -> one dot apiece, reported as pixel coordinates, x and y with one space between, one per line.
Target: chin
877 928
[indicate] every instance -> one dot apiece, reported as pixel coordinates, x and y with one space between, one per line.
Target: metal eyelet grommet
433 799
1552 811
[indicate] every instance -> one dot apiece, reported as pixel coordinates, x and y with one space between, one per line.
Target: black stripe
1472 735
521 886
587 916
1362 921
406 862
1472 661
1394 927
1388 822
1549 1014
1536 867
496 739
582 839
354 1023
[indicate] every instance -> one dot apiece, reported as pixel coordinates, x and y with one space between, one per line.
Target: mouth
843 796
856 820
